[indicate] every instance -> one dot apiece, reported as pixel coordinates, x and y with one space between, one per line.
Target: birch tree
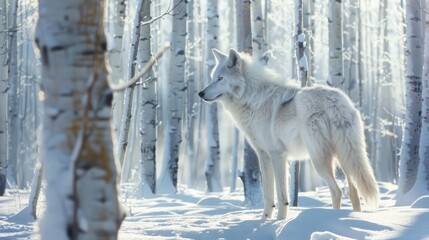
3 96
12 90
192 105
422 180
251 174
302 73
409 158
300 43
148 110
177 89
81 192
351 40
335 44
212 168
115 18
235 133
28 114
384 116
421 185
130 48
259 42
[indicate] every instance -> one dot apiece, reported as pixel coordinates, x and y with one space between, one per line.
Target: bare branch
147 67
167 12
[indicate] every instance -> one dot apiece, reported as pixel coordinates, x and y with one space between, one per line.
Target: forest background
162 135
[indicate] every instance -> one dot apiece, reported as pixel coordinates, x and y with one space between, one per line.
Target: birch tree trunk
365 69
131 62
259 42
300 43
13 130
302 73
36 186
384 117
3 96
421 185
176 78
351 78
422 180
148 111
191 102
409 158
251 173
234 160
115 18
212 168
82 194
28 92
335 44
232 29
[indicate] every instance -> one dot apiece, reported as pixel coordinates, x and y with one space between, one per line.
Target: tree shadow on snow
339 222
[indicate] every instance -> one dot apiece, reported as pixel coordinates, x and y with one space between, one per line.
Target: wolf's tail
351 153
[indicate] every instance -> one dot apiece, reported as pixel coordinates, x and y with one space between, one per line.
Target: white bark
148 109
234 160
124 127
176 93
13 129
192 103
335 44
300 43
423 173
251 173
421 186
366 68
212 168
259 44
115 17
409 158
82 195
244 29
310 25
302 73
384 117
136 13
36 186
28 66
351 78
3 96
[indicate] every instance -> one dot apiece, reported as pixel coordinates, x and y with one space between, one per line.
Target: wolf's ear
219 56
234 59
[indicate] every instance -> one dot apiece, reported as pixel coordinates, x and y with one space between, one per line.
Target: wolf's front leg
267 175
279 164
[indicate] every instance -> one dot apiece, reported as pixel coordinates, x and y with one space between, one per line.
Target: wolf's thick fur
287 122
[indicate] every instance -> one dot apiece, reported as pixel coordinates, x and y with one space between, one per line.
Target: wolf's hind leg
317 141
324 167
267 175
354 196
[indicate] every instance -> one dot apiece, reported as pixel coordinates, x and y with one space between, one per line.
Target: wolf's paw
268 212
281 215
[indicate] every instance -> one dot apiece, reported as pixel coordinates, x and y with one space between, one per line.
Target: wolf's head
227 77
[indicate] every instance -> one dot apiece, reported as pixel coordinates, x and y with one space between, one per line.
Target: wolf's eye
220 78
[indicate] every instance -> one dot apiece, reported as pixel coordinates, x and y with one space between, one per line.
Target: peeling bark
77 153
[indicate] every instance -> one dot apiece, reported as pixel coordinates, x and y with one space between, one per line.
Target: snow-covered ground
194 214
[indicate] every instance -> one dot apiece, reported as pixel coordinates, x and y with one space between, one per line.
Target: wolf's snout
201 94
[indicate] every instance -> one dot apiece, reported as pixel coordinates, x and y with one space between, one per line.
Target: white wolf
287 122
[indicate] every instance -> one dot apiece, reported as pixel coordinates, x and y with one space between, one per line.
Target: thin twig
147 67
167 12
